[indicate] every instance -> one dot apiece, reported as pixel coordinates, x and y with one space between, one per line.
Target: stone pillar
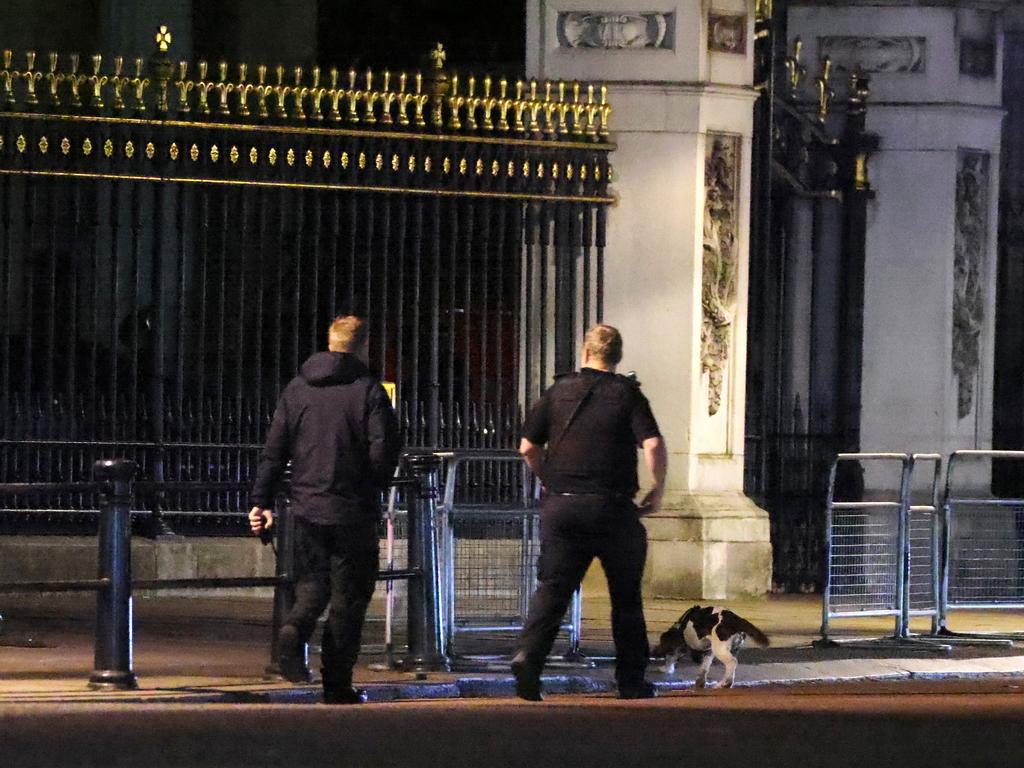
930 264
680 83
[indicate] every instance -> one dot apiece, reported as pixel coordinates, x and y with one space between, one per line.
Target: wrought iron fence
175 238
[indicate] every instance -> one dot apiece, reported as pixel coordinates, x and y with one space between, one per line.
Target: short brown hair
604 343
346 334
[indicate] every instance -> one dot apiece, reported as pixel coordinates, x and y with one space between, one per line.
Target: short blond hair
604 343
346 334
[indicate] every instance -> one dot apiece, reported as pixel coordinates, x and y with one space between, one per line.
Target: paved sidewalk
215 649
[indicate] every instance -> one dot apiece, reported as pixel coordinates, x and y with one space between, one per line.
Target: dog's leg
670 662
705 666
723 652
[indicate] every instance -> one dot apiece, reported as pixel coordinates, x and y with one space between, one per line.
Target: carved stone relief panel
875 54
969 268
727 32
613 30
720 260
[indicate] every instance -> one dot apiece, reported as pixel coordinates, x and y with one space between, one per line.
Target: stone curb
470 687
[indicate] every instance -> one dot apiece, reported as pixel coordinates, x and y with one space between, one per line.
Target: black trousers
335 565
575 530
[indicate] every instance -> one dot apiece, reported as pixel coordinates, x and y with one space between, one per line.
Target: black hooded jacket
335 423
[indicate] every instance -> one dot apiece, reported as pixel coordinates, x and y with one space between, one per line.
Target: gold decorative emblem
554 170
396 162
412 163
108 148
378 161
326 159
568 171
583 172
65 146
428 164
309 158
214 153
511 169
344 161
446 166
272 156
194 153
495 168
129 150
150 151
1 141
540 170
526 168
362 160
479 167
290 156
87 147
597 172
163 38
233 154
44 145
174 151
21 144
463 165
254 156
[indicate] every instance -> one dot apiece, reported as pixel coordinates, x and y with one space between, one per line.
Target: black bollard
113 655
426 652
284 591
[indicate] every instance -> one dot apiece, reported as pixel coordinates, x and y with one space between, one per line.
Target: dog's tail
739 624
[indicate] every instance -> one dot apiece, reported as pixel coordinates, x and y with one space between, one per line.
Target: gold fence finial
825 92
163 38
438 56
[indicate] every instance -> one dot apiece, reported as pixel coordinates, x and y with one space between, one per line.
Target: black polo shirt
597 454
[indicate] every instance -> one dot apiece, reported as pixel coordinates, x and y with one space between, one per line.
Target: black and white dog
707 633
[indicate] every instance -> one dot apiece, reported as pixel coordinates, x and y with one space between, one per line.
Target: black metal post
284 590
425 648
113 655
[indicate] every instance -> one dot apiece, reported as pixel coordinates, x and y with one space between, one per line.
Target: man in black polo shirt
581 440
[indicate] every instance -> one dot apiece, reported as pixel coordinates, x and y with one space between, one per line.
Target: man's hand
656 456
651 502
260 520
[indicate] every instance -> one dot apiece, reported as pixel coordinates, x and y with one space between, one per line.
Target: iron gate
810 196
174 242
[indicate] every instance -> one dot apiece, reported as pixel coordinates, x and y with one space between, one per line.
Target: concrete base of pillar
712 546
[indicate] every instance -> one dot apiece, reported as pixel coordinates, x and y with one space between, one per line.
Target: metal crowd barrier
489 554
113 481
983 546
882 555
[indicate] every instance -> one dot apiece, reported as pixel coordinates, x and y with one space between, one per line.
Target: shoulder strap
552 444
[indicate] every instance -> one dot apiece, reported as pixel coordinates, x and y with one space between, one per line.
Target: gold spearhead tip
163 38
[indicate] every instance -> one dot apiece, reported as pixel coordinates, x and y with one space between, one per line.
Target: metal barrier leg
112 668
426 651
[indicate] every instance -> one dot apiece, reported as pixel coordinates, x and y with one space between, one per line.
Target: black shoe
643 690
291 656
347 695
527 679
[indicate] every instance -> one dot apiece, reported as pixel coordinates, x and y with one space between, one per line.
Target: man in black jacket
335 423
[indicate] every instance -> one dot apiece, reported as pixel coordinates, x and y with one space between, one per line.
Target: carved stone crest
969 267
875 54
613 30
720 260
727 32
